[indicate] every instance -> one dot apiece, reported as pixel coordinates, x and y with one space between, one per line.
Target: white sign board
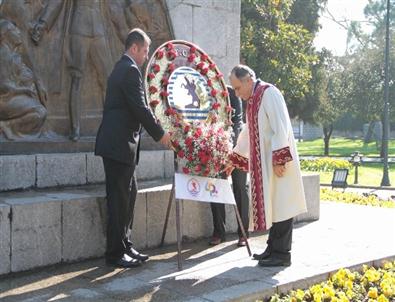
203 189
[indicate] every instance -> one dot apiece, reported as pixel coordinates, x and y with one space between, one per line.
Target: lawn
342 147
368 175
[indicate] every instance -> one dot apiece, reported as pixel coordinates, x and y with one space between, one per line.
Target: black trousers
121 191
240 191
280 239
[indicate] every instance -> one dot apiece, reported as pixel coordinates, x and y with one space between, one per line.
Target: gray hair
241 72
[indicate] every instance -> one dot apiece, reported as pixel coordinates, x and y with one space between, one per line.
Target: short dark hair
242 71
136 36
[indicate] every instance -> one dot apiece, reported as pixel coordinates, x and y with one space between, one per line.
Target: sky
332 36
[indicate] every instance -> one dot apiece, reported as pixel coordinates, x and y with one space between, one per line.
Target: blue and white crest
189 94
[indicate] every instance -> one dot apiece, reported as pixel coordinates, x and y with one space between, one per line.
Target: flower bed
324 164
371 284
354 198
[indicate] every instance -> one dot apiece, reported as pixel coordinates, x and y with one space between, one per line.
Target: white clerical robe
284 196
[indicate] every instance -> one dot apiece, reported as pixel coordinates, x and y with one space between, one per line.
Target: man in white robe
266 148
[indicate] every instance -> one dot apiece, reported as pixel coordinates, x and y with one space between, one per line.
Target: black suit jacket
238 113
125 111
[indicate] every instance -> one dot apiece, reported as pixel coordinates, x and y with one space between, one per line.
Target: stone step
44 227
68 169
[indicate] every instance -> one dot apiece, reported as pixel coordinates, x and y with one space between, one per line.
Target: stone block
212 41
230 218
94 169
181 17
169 164
84 228
5 239
35 232
139 230
61 169
311 184
157 202
17 172
151 165
197 219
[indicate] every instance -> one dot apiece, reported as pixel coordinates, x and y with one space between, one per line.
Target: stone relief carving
73 45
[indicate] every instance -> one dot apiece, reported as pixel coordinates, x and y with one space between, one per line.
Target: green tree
278 51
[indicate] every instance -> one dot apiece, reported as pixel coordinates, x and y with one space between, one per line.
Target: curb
362 187
307 282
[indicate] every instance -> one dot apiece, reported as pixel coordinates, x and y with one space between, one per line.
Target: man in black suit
125 112
239 183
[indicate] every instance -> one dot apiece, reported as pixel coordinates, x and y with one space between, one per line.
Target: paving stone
17 172
35 232
84 228
61 169
5 239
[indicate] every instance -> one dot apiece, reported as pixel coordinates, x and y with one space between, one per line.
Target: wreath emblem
188 95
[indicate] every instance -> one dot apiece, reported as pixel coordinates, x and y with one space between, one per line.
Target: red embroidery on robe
256 176
281 156
238 161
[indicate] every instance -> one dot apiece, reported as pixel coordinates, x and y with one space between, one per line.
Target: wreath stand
179 226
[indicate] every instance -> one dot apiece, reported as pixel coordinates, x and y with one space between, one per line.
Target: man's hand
165 140
279 170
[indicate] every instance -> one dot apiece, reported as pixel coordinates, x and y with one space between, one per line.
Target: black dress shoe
136 255
124 262
266 254
268 262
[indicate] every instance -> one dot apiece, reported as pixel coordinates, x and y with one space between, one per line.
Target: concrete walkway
345 236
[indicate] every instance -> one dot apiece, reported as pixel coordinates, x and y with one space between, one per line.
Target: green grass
368 175
342 147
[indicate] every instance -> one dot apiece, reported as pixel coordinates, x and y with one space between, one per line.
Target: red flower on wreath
165 81
170 46
172 54
189 141
164 93
204 71
185 170
170 111
212 66
153 89
192 49
191 57
151 75
160 53
228 109
225 93
156 68
200 65
171 67
214 93
203 57
219 76
154 103
187 128
216 105
209 83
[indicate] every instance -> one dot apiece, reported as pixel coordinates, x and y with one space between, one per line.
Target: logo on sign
193 187
210 187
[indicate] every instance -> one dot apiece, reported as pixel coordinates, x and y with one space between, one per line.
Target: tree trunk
327 136
368 136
